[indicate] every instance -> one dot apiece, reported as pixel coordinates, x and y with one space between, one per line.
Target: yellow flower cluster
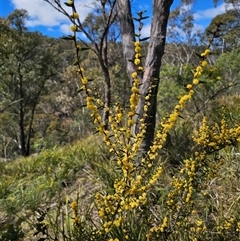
157 229
111 208
197 228
152 180
238 227
135 83
137 60
76 220
205 53
183 186
216 137
226 225
73 16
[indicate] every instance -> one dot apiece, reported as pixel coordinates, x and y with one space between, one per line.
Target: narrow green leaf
137 19
144 39
82 49
199 55
67 4
80 90
144 17
214 53
69 37
75 63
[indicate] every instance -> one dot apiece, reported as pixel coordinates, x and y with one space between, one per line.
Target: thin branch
14 102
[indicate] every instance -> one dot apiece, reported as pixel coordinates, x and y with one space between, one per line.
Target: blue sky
48 21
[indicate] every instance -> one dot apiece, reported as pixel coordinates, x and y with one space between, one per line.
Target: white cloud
144 7
43 14
40 12
146 30
210 13
65 29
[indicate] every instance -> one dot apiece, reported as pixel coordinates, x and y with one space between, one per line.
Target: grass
39 182
43 187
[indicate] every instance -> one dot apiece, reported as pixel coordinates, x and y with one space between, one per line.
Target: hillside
37 192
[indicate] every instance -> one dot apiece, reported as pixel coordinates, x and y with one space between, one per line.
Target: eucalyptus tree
150 79
229 35
26 65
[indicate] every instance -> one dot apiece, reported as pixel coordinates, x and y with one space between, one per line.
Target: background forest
52 159
39 70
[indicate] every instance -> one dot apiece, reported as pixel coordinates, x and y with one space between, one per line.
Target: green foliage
32 63
171 88
36 183
229 32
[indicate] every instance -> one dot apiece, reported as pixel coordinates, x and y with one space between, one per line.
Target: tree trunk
103 59
161 10
21 113
127 33
107 93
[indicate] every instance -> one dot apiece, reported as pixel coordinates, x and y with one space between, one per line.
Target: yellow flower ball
73 28
138 49
207 51
135 89
147 97
137 44
130 122
204 63
74 16
195 81
137 61
84 80
81 70
199 69
74 205
134 75
137 56
191 92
